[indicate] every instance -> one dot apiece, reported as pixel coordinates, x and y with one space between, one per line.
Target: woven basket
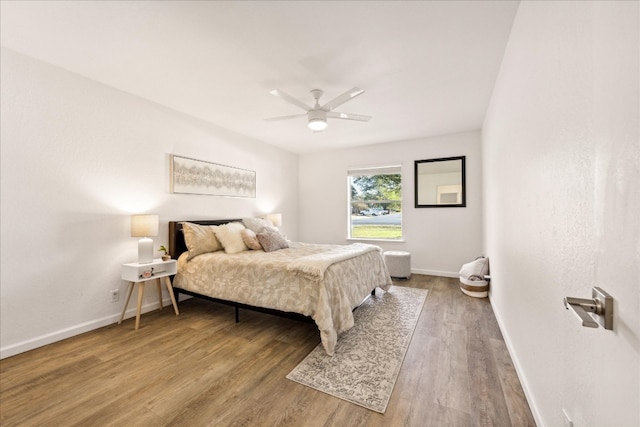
475 288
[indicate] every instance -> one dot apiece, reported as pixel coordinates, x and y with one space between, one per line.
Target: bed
321 282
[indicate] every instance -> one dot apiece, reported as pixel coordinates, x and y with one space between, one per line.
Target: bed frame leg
176 296
237 314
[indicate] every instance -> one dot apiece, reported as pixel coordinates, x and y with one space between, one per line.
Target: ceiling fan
318 114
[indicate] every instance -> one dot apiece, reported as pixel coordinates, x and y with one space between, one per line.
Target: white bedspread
336 280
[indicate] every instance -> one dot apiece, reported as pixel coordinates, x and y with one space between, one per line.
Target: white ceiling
427 67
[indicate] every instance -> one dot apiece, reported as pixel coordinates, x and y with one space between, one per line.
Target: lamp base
145 250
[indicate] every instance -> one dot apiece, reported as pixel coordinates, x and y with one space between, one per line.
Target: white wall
78 158
440 239
561 173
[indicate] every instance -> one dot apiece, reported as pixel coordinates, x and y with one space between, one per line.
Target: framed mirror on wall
440 183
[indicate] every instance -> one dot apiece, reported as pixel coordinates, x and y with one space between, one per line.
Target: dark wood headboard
176 238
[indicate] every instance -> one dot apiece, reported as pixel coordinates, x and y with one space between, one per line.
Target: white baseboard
21 347
517 366
435 273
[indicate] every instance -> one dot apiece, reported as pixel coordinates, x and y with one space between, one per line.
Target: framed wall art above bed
192 176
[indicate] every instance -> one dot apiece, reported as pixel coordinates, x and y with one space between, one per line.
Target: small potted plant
166 256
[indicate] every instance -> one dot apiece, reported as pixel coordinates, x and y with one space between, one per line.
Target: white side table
139 274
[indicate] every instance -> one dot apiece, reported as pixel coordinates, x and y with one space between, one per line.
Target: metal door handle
601 305
580 307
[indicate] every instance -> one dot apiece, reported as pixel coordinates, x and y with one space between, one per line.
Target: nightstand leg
167 282
159 292
140 295
124 309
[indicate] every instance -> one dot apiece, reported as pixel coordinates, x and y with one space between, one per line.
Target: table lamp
144 226
276 219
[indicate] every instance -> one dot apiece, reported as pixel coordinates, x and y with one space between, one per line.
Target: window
375 202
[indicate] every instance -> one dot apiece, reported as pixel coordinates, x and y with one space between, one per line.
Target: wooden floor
201 369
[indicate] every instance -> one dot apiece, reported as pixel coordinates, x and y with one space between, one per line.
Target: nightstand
140 274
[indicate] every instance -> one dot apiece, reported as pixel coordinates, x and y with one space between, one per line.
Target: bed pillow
230 237
257 224
271 240
200 239
250 239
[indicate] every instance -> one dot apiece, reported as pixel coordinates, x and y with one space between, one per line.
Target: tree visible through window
375 200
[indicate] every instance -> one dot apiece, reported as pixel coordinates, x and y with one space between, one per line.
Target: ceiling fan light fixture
318 114
317 120
317 124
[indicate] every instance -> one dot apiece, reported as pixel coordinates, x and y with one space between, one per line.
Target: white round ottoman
398 263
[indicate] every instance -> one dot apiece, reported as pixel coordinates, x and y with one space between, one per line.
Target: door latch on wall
601 305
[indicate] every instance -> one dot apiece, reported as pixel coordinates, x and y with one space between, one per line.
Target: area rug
368 357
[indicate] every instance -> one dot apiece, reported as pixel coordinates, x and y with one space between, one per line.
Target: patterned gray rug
368 356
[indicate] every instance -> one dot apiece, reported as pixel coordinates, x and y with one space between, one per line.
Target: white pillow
257 224
200 239
230 237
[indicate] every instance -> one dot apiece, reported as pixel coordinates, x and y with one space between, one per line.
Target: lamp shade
276 219
144 225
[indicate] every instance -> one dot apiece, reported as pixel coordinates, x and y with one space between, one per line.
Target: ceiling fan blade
290 99
275 119
350 94
348 116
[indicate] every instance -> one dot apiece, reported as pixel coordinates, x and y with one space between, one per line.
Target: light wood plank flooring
202 369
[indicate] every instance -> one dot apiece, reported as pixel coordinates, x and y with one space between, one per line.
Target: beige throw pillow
200 239
249 238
